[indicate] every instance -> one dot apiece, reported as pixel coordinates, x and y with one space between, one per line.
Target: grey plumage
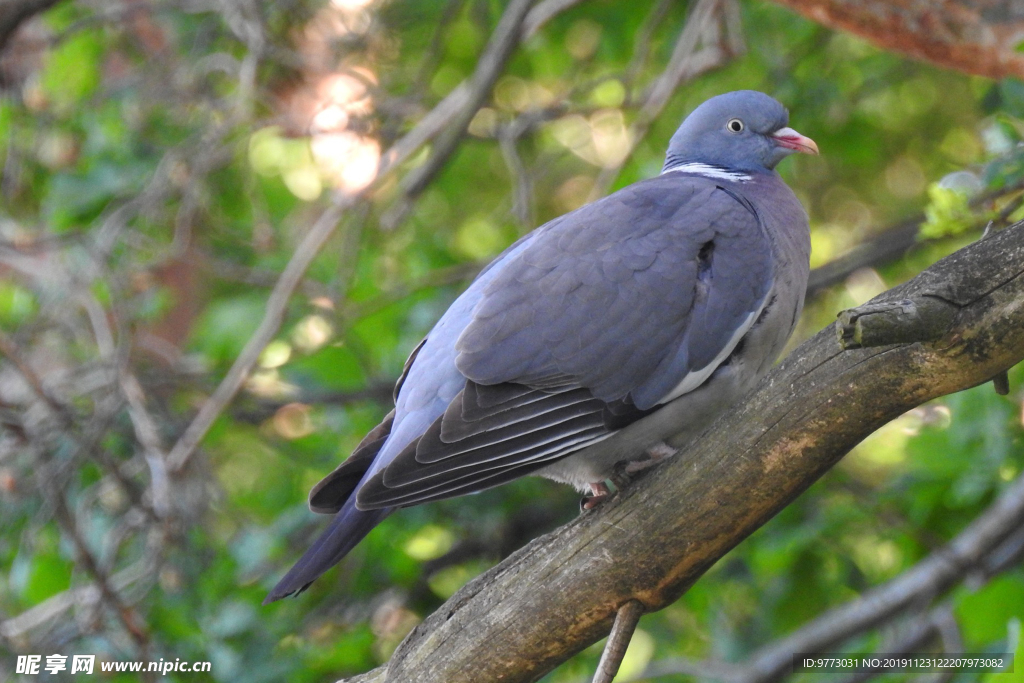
672 296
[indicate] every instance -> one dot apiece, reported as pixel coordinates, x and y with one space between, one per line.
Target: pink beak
789 138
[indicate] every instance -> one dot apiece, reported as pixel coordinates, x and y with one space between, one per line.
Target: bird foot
627 470
655 454
600 492
624 473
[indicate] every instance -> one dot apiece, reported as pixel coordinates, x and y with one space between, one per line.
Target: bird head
744 130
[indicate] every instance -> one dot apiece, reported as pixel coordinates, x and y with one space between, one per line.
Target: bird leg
600 492
655 454
624 473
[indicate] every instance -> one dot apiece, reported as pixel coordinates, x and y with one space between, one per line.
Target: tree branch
626 619
560 593
893 242
272 319
974 36
543 12
13 13
490 65
708 26
976 549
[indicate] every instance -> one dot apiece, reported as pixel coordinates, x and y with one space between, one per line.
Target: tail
349 526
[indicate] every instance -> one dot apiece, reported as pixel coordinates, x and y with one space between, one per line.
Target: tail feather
349 526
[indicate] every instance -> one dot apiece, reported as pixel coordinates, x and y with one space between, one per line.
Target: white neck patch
708 171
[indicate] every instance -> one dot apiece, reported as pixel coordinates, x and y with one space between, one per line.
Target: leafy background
163 160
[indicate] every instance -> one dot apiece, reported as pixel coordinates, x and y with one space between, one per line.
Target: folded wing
616 309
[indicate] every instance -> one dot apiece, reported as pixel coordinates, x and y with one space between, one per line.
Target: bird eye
735 125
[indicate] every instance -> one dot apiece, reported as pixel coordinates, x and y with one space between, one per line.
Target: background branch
972 553
14 12
976 36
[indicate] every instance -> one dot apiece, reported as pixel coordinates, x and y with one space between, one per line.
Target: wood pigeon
671 297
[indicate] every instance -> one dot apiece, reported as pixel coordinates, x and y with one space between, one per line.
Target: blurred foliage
162 162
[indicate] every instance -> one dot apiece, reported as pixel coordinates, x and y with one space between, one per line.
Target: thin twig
259 277
642 45
490 65
10 349
428 127
148 435
54 608
433 54
916 637
626 620
685 63
441 277
272 319
522 202
888 245
950 636
133 625
543 13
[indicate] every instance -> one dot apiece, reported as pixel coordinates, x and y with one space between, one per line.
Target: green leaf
985 615
948 213
16 304
72 198
333 368
72 70
49 575
227 325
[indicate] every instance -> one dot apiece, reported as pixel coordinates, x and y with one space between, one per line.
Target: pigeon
668 299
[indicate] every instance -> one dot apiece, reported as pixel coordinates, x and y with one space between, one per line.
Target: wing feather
584 329
331 492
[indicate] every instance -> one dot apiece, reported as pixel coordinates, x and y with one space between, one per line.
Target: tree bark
974 36
559 594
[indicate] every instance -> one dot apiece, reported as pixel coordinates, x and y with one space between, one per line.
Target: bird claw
600 493
623 474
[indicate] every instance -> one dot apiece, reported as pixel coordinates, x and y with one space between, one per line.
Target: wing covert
623 292
585 330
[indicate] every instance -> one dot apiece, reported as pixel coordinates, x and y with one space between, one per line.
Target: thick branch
895 322
560 593
974 36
